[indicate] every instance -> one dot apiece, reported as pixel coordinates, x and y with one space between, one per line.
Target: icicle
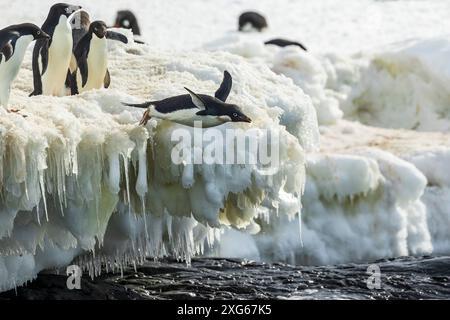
42 186
300 223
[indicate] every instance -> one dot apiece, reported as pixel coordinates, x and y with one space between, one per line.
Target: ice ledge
79 178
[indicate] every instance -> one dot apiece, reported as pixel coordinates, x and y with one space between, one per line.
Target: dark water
402 278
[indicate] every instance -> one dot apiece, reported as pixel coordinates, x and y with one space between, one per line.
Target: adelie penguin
285 43
189 108
127 20
51 58
251 20
14 41
91 56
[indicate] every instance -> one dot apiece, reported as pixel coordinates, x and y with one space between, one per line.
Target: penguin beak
44 35
245 119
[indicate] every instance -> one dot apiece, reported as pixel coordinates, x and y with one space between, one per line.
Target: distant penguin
252 20
51 58
188 108
127 20
284 43
91 56
14 41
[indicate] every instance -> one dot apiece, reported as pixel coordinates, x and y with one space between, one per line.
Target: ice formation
404 87
370 193
80 179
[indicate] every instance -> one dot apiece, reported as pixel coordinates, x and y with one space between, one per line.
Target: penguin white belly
97 65
188 117
59 55
9 69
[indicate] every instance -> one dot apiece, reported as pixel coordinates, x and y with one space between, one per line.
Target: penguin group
71 56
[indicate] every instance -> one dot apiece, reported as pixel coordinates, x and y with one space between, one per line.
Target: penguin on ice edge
51 58
188 108
14 41
91 56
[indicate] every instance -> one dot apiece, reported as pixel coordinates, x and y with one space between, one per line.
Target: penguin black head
98 28
127 20
211 106
25 29
62 9
254 19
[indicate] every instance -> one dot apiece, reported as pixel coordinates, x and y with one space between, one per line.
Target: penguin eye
38 33
235 115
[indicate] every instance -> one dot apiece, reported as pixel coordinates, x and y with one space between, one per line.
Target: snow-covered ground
376 185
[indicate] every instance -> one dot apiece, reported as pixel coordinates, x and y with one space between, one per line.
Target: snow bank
304 68
404 87
79 177
435 165
356 207
371 193
401 86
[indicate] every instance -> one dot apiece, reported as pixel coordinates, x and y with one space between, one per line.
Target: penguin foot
16 111
145 118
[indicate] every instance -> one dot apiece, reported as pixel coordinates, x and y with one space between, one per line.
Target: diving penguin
91 56
188 108
14 41
51 58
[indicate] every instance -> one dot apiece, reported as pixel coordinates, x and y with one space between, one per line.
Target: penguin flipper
196 100
107 81
71 82
40 54
116 36
225 88
44 55
83 67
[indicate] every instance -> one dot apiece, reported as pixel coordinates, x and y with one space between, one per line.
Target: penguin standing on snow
91 55
51 58
14 41
188 108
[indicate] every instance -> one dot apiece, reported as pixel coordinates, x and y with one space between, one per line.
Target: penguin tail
137 105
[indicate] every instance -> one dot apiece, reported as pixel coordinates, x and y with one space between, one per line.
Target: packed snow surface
363 118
